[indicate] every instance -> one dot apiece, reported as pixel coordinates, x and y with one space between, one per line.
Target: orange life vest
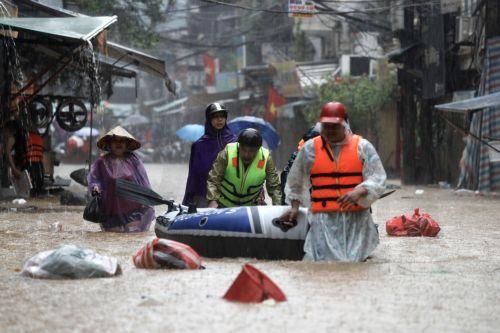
34 152
331 179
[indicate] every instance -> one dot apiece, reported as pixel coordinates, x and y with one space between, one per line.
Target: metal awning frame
142 61
466 132
467 105
63 62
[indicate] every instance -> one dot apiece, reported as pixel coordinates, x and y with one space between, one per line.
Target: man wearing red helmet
338 175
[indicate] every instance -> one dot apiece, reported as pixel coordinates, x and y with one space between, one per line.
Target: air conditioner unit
464 28
352 65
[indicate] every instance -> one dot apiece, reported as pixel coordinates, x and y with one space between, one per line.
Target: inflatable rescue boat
235 232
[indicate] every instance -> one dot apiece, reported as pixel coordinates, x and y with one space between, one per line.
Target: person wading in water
338 175
203 153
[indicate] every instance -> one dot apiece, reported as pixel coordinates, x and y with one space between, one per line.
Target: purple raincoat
122 215
203 154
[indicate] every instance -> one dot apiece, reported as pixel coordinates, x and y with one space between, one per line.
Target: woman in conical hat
120 162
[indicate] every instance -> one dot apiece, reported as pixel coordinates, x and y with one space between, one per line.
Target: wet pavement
446 284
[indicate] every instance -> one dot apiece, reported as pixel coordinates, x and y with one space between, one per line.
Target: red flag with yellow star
274 101
209 63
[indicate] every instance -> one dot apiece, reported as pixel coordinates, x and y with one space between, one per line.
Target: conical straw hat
118 132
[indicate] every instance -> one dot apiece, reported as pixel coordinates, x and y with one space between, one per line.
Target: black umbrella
140 194
80 176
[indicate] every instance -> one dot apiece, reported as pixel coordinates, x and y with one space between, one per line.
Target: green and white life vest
241 187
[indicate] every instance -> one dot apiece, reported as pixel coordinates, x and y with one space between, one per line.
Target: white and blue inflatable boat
235 232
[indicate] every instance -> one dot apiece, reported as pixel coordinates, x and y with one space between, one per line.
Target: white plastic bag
70 262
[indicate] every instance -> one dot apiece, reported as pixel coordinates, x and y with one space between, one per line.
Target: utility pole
4 107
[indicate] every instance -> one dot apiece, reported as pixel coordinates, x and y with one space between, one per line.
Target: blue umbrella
191 132
269 134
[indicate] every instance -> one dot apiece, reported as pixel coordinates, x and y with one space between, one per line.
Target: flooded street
450 283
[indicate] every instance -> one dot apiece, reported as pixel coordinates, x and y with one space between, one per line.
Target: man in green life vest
239 173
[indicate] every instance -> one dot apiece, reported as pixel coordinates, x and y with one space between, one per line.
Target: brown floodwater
446 284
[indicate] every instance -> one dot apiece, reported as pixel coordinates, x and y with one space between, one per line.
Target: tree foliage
363 98
137 19
299 48
303 50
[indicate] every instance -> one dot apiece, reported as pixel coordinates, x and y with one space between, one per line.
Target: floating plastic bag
164 253
19 201
412 225
253 286
70 262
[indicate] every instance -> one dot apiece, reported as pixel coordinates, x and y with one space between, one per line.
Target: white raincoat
338 236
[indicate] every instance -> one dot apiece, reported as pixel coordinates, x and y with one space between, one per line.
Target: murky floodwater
451 283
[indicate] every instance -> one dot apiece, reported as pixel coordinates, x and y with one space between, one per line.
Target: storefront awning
115 68
316 74
135 58
142 61
70 28
471 104
172 107
156 102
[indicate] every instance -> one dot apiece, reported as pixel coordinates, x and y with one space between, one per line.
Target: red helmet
333 112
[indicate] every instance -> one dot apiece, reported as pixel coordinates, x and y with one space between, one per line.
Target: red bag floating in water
164 253
253 286
412 225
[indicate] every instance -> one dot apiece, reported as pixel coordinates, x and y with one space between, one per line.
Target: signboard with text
228 81
301 8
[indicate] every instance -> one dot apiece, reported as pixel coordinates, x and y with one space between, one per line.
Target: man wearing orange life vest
25 152
338 175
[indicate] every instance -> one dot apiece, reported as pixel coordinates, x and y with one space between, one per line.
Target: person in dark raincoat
203 153
311 133
120 162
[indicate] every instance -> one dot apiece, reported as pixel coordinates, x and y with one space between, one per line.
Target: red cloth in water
253 286
165 253
412 225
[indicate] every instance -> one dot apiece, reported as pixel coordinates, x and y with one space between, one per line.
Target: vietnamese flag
274 101
209 63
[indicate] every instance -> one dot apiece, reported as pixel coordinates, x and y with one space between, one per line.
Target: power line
227 36
320 5
354 1
325 11
206 48
187 9
267 10
221 44
322 10
353 19
356 28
